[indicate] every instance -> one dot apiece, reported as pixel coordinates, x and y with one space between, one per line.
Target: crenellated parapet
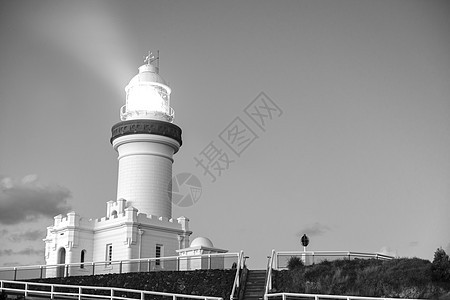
71 220
118 213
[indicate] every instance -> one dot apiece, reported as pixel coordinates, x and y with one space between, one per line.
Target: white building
139 223
200 255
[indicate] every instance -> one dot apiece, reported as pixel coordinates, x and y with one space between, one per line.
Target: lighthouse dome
202 242
147 74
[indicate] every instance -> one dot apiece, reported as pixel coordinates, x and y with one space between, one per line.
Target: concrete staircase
254 287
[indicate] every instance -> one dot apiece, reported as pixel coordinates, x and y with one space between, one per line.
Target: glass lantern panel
146 98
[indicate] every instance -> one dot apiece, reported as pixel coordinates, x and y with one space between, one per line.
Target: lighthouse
146 140
138 223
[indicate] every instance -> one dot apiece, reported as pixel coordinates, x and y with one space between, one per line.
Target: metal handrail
338 252
327 297
237 279
112 291
268 285
115 262
348 254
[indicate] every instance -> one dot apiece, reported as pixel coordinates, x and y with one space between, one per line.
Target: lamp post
305 243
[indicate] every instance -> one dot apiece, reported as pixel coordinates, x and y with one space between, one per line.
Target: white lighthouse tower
146 141
138 223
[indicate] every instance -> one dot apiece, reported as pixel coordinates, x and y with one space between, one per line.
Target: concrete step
259 283
253 297
255 287
255 294
258 274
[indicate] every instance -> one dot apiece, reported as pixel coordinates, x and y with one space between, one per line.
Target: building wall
169 244
120 230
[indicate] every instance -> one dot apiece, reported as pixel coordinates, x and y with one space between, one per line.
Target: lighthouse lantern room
147 94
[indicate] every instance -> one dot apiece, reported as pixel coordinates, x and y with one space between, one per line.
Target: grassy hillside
217 283
403 278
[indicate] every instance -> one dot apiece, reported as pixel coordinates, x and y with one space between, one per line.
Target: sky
354 150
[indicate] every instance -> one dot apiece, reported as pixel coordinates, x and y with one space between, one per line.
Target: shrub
294 262
440 268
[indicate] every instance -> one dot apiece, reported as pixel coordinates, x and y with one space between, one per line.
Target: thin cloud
386 250
30 251
27 251
413 243
26 200
315 229
6 252
30 235
11 264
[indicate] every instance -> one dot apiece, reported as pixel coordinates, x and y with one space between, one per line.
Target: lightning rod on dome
150 58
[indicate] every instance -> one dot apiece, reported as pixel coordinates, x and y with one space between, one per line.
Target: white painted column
145 172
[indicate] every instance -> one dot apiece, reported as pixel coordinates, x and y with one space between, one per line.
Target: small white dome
202 241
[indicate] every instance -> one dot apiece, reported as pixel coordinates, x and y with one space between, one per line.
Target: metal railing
60 291
167 114
268 285
288 296
171 263
237 279
311 257
279 259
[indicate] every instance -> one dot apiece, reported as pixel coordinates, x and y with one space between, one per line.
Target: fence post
67 271
149 264
79 292
42 268
120 267
93 268
26 289
15 273
142 296
52 290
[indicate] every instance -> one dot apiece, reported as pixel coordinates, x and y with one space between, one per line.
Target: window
109 251
158 254
82 258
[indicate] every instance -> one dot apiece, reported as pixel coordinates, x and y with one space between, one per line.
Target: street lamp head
305 240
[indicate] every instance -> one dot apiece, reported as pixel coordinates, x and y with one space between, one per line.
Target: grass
397 278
